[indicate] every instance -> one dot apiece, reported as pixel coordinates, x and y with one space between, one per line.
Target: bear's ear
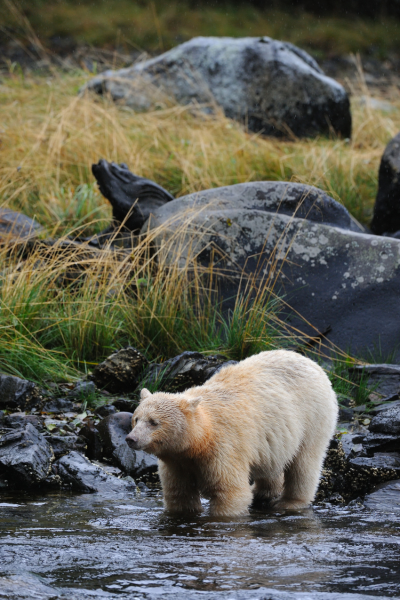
144 394
193 403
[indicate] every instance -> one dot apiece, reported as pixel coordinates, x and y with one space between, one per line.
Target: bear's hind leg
180 491
266 489
301 479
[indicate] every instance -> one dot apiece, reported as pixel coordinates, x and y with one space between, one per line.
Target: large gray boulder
341 280
273 86
386 219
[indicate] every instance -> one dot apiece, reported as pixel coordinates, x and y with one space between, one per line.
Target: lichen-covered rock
113 431
332 275
181 372
81 475
364 473
386 217
387 421
25 456
332 475
16 393
120 371
273 86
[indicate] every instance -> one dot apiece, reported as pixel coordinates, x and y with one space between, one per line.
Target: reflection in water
126 546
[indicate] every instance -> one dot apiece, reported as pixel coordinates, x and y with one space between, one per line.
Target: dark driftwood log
129 194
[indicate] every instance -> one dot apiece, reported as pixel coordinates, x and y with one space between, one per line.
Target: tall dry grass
50 137
53 325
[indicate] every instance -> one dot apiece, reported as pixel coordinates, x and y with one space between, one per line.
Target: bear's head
162 423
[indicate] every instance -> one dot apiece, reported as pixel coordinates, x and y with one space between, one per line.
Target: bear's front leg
231 499
180 490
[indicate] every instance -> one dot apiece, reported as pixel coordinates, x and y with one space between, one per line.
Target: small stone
82 390
105 410
58 405
94 446
120 371
16 393
25 456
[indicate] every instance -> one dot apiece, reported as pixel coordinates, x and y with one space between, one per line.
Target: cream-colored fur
268 418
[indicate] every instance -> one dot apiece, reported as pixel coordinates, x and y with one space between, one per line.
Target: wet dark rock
16 393
78 472
25 456
381 442
387 421
94 446
113 431
345 414
133 198
364 473
18 420
15 226
386 498
386 403
181 372
58 405
105 410
333 276
121 371
383 378
386 217
63 444
124 405
272 86
82 390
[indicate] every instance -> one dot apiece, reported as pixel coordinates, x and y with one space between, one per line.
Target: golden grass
50 137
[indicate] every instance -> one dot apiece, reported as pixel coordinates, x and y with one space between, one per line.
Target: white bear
267 419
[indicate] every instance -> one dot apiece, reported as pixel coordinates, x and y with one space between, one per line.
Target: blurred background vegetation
323 28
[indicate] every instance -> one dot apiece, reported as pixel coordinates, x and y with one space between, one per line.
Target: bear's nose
132 441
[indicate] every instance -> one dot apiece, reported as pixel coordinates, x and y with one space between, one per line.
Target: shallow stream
85 546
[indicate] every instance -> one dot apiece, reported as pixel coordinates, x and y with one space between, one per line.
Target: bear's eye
153 423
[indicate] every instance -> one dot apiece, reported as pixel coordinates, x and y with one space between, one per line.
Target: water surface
85 546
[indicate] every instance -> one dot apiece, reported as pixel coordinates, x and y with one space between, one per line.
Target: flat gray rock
15 226
308 248
273 86
83 476
386 498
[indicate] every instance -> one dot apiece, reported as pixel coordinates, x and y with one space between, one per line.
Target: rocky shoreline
53 440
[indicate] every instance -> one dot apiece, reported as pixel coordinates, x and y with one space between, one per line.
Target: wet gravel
125 546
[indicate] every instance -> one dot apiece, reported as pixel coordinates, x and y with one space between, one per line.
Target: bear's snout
132 441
